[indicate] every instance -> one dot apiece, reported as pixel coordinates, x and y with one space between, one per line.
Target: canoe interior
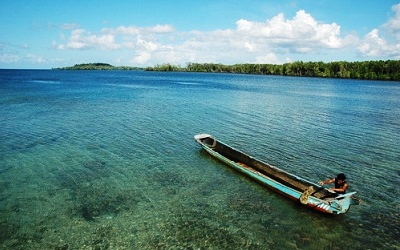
266 170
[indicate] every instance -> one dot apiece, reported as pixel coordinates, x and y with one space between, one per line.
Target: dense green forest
368 70
98 66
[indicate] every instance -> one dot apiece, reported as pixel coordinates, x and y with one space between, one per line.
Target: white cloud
133 30
123 30
141 58
161 29
9 58
106 39
248 42
82 39
262 41
303 31
394 23
69 26
383 42
270 58
372 45
35 58
146 45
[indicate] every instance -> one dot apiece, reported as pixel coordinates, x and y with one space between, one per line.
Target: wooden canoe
301 190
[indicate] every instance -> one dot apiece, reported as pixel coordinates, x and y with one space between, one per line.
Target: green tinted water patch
249 202
26 218
101 237
193 227
4 186
169 182
7 230
103 200
372 222
75 165
74 177
199 215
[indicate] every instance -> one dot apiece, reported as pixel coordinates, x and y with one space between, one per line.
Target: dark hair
341 177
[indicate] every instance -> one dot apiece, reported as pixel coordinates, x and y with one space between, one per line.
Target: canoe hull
287 184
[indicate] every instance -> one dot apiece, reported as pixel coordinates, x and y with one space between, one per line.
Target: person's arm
326 181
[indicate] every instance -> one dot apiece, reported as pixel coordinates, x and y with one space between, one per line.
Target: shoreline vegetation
388 70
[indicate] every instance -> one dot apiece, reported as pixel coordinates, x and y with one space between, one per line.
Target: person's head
341 177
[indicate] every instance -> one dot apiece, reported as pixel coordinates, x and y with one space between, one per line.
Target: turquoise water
107 160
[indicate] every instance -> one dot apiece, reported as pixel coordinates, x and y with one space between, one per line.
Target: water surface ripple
107 160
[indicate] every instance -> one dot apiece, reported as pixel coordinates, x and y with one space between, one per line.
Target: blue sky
42 34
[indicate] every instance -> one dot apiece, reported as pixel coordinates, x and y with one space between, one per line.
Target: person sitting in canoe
340 184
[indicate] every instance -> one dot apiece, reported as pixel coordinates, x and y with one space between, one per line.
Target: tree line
388 70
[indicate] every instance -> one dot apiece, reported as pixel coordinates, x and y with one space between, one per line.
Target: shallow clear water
106 160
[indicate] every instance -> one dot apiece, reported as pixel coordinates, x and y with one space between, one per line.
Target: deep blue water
107 160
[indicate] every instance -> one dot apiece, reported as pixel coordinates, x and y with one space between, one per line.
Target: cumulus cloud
385 40
257 41
106 39
248 42
301 31
141 58
268 58
82 39
393 25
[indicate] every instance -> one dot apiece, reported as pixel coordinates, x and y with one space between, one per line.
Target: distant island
367 70
97 66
